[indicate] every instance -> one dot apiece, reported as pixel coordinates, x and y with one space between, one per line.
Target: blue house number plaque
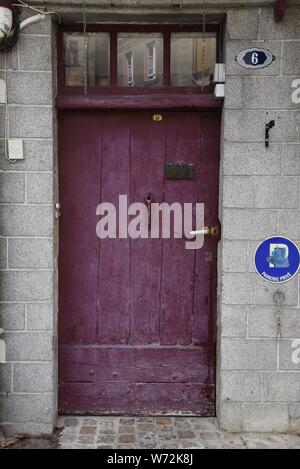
255 58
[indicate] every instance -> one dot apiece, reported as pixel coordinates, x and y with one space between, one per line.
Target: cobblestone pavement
162 432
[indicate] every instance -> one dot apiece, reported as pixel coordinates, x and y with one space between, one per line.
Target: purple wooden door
136 316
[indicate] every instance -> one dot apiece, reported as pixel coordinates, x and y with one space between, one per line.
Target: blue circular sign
277 259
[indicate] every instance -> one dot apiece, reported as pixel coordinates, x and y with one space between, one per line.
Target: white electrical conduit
32 20
41 15
43 12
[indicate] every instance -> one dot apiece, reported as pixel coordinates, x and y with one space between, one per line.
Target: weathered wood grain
137 316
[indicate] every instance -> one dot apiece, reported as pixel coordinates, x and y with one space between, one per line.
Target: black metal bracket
269 126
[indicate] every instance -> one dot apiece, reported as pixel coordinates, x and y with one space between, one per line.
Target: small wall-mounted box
219 91
15 149
219 74
2 349
2 92
2 352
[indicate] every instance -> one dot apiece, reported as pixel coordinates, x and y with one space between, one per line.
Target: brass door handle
206 231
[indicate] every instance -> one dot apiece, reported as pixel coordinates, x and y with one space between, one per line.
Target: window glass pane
97 59
193 57
140 59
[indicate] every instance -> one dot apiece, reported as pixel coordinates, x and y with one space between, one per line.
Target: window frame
113 88
149 77
129 57
74 53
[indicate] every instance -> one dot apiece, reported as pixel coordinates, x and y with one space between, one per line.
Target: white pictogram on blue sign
277 259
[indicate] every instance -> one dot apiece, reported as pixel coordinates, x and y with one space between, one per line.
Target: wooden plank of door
134 364
183 145
204 319
114 260
148 140
79 156
138 398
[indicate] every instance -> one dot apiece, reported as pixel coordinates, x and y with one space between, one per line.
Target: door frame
166 98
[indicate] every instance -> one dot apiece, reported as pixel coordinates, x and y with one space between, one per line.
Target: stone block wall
27 312
259 386
258 383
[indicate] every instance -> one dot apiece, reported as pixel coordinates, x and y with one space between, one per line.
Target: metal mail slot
180 171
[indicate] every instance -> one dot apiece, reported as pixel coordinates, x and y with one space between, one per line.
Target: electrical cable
11 40
6 121
6 109
6 46
43 11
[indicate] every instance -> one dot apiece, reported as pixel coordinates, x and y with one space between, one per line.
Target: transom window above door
134 58
140 59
